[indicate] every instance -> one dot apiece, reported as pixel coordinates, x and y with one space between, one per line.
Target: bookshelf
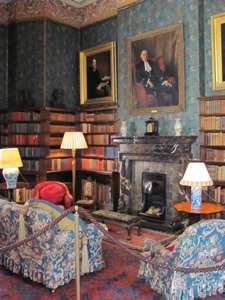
212 142
38 132
99 160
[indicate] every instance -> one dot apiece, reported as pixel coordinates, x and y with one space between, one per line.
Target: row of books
60 129
212 107
96 164
99 151
212 123
93 128
61 164
31 165
104 194
54 141
100 139
67 117
217 173
29 139
26 127
212 138
24 116
30 151
219 195
59 152
95 117
213 155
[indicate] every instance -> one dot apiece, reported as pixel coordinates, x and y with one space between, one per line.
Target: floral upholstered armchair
201 245
49 258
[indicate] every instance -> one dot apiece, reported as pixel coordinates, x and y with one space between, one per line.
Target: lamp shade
73 140
10 158
197 175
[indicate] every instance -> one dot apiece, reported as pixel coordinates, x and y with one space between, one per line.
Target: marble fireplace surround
156 154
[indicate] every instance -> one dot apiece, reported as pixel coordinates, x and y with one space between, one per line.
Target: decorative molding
76 13
78 3
125 3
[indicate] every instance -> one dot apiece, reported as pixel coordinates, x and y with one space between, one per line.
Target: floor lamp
73 140
10 161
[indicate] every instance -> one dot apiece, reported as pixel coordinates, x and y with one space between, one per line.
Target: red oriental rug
137 242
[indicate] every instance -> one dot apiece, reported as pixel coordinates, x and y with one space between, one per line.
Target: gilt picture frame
165 92
218 51
98 83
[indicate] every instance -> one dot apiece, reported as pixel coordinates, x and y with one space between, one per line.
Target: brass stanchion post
77 251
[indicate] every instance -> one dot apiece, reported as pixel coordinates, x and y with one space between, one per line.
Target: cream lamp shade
196 176
10 161
73 140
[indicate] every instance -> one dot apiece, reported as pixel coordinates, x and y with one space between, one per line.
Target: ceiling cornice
76 13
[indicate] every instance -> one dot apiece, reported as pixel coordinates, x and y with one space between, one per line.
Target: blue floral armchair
49 258
201 245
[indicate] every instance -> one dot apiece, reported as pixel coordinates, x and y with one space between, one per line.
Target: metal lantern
152 127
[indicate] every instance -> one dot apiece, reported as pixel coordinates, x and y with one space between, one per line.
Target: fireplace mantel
154 148
162 154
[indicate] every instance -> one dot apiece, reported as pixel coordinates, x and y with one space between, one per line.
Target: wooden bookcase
99 160
38 132
212 142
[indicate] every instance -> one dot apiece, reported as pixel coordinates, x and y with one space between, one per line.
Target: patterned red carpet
118 281
137 242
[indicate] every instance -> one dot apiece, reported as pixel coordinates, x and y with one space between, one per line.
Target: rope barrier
112 239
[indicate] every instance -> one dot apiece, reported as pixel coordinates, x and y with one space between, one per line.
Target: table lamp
196 176
10 161
73 140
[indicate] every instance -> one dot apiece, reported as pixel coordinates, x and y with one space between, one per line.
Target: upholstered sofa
201 245
49 258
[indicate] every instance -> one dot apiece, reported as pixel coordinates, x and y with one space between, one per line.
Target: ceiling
74 3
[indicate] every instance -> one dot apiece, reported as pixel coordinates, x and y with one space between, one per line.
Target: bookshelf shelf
38 132
212 142
99 160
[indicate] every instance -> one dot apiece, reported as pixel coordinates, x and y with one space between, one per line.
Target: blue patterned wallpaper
98 34
26 64
150 15
139 19
62 65
3 47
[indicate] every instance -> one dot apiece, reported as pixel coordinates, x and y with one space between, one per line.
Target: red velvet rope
112 239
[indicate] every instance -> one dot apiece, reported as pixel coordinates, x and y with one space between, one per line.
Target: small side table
20 186
207 211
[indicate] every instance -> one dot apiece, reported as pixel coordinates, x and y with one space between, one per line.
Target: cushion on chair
53 193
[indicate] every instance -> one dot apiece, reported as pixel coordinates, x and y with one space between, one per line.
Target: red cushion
53 193
170 248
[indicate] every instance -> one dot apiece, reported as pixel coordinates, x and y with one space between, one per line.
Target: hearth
153 196
164 155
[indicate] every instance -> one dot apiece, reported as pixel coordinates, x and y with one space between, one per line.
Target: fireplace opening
153 196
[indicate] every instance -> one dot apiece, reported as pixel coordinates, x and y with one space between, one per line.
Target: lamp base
10 175
196 197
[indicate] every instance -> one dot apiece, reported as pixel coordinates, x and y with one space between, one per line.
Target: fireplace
153 196
163 155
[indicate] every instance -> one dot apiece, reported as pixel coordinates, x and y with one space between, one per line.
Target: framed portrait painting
98 75
218 51
156 71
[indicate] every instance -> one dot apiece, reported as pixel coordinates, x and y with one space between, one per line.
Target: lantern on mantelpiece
152 127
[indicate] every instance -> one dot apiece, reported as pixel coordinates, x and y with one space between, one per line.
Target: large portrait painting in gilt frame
156 71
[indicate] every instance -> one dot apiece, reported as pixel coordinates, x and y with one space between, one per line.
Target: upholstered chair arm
153 245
